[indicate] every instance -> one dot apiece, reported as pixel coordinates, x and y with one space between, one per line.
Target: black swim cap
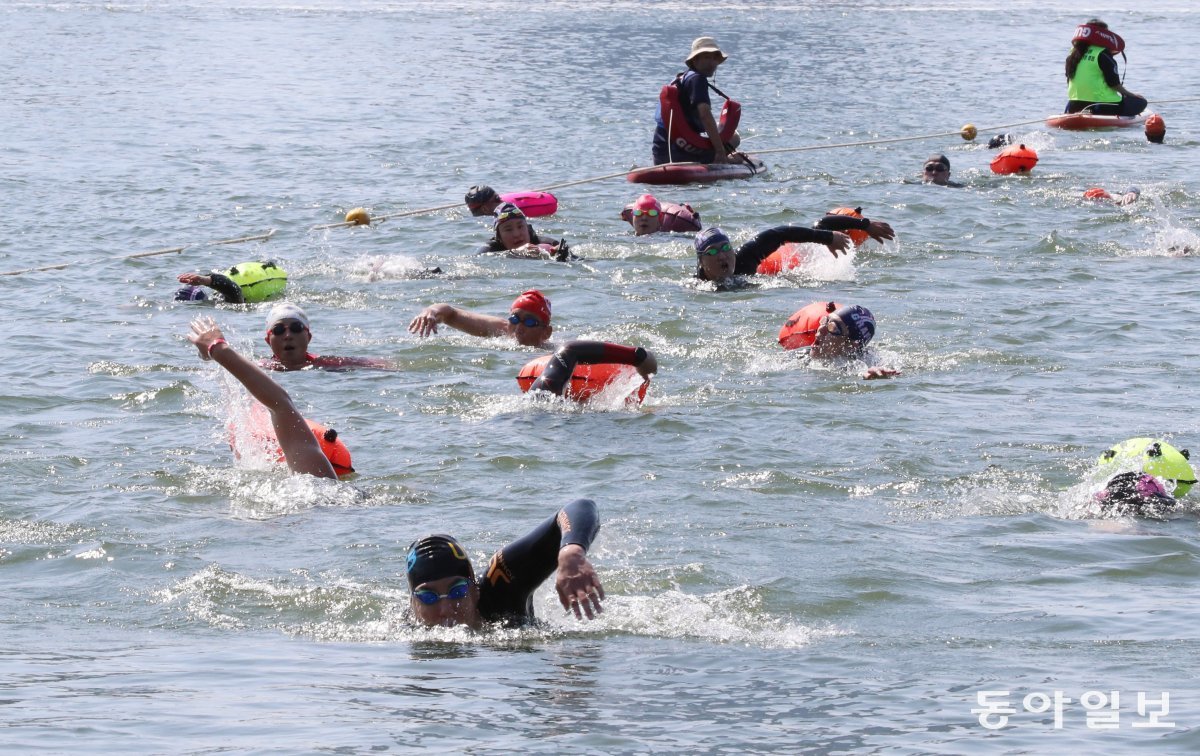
939 158
435 557
477 195
1136 493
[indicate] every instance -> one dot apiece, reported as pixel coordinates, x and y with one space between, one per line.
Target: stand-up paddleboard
696 173
1087 121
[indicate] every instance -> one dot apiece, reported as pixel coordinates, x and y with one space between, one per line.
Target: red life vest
1100 37
680 133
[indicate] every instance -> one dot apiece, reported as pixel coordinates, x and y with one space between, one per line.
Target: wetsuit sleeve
757 249
515 571
225 286
1108 67
843 223
557 373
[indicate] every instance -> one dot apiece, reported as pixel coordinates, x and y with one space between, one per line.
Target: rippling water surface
794 558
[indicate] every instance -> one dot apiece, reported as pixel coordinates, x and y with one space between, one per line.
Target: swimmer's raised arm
476 324
300 447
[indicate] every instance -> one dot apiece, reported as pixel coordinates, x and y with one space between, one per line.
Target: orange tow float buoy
857 236
1019 159
1096 193
587 380
800 330
789 256
261 434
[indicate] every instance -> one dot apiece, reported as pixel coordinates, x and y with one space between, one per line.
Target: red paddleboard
1087 121
587 380
695 173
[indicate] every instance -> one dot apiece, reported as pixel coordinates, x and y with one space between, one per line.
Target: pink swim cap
647 202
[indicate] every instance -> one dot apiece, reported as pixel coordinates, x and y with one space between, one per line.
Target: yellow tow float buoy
359 217
969 132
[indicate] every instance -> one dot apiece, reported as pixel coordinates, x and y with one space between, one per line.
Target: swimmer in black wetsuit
716 261
446 592
225 286
557 374
517 238
1136 494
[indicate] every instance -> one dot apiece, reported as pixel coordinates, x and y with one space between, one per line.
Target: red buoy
1019 159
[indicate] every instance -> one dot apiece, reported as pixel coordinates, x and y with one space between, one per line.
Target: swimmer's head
843 332
482 200
998 141
288 333
530 318
1135 493
190 294
512 227
937 169
442 582
646 216
715 258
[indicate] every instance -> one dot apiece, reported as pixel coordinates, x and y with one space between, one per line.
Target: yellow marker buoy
359 217
969 132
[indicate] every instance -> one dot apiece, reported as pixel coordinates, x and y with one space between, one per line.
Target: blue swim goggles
528 320
457 592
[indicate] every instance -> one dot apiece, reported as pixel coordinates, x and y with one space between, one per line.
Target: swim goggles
509 215
834 327
528 320
718 249
651 213
936 168
295 327
457 592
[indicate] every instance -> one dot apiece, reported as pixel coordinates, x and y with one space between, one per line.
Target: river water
795 559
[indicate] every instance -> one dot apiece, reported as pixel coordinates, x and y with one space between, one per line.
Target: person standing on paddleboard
1093 82
688 102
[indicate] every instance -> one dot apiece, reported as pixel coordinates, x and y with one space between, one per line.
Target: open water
795 559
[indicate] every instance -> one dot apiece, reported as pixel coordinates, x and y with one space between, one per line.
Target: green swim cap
1158 458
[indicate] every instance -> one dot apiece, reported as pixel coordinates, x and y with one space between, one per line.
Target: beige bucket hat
701 45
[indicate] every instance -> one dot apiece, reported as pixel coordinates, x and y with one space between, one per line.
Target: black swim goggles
936 168
295 327
457 592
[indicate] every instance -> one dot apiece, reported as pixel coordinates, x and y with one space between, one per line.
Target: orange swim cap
1096 193
1156 128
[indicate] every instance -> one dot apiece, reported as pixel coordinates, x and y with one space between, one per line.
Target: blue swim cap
191 294
708 238
855 322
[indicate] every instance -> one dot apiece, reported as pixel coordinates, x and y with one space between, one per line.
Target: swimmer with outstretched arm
299 445
717 261
445 591
528 320
556 376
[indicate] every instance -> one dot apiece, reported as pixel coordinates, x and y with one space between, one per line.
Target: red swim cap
1156 128
533 301
647 202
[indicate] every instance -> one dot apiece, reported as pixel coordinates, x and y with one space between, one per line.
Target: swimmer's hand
527 251
195 279
879 231
205 333
427 320
648 366
879 372
562 252
579 589
840 243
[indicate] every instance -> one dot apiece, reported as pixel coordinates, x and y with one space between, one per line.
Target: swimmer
482 200
556 376
446 592
1136 494
716 261
1001 140
195 283
649 216
288 335
937 171
1129 196
300 448
829 331
517 238
528 320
